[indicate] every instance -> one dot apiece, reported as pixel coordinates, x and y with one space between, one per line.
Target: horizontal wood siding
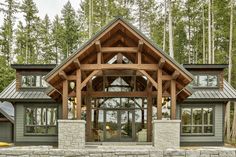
6 132
218 129
20 137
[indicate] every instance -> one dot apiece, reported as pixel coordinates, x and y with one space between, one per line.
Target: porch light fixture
72 85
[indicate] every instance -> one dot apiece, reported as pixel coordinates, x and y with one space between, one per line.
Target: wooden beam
166 86
119 49
149 78
175 75
65 100
140 46
98 46
166 77
83 84
119 58
99 49
88 111
76 63
151 67
71 77
161 63
98 94
63 75
78 93
159 94
140 49
149 113
173 99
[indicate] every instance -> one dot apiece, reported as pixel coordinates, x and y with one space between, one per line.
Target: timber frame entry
119 51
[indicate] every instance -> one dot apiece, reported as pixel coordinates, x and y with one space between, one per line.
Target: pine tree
70 29
9 9
30 11
20 43
46 53
57 39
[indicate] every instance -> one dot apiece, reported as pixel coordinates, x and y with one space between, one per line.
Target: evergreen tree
70 29
9 9
30 11
45 41
57 39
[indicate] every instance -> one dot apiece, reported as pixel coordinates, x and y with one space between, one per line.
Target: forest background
191 31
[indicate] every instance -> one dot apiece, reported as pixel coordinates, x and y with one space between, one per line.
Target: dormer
31 76
207 76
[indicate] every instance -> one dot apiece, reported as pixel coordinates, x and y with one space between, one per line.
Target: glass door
119 125
111 126
127 125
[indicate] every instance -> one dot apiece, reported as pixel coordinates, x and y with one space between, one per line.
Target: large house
119 87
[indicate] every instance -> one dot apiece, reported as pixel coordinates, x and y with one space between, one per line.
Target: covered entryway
88 79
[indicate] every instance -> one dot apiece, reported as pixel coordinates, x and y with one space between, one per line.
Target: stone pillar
71 134
166 134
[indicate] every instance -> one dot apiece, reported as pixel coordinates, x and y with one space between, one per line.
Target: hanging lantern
72 85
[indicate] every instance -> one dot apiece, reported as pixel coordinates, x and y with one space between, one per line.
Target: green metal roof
134 29
211 94
7 110
32 95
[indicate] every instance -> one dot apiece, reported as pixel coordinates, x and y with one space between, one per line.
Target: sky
50 7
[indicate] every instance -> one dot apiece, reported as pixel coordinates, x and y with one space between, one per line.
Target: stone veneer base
128 151
71 134
166 134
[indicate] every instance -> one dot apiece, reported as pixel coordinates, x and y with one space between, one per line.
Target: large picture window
33 81
197 121
41 120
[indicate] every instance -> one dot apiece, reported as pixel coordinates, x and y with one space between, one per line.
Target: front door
119 125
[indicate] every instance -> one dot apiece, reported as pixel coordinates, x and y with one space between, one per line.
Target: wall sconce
72 85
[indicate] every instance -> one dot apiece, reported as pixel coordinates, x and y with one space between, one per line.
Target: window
205 80
41 120
197 121
33 81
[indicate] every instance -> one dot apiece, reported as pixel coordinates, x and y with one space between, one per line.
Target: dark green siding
218 125
19 132
6 132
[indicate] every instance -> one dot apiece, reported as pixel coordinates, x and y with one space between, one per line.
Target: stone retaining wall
129 151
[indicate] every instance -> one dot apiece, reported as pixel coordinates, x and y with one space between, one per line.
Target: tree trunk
230 76
209 32
164 33
203 36
90 18
213 34
171 45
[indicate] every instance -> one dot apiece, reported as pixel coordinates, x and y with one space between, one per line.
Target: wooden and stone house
119 87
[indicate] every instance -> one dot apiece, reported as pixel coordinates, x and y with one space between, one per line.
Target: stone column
71 134
166 134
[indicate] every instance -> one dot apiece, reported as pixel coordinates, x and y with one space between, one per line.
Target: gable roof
7 110
113 23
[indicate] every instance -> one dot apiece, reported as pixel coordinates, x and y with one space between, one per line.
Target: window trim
40 134
202 125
